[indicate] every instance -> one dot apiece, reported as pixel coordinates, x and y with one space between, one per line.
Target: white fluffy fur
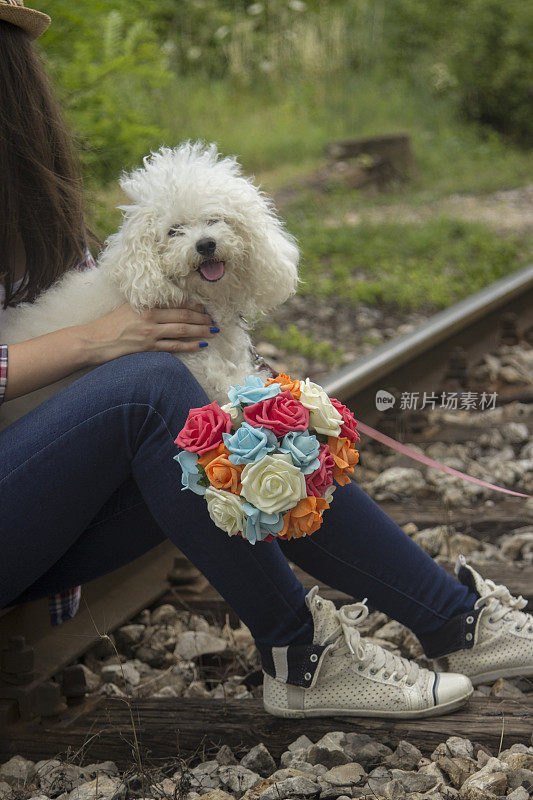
193 187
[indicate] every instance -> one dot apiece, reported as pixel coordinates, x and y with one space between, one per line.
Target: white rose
235 413
225 509
323 416
273 484
328 494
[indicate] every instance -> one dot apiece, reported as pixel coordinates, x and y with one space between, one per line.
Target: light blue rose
259 524
253 391
190 474
303 448
248 444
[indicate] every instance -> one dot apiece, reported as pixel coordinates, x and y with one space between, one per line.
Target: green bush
492 62
107 66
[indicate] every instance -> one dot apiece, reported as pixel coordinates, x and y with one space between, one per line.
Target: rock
17 771
364 750
55 777
295 758
345 775
393 632
461 544
156 655
204 777
6 791
460 748
128 637
121 674
406 756
515 432
237 778
518 760
164 615
457 769
483 785
414 781
503 688
101 788
259 760
225 756
192 644
301 743
217 794
164 789
291 787
511 546
166 691
92 679
303 770
519 794
196 689
432 539
329 751
433 770
111 690
397 482
104 767
520 777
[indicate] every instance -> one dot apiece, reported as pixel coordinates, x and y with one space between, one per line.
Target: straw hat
33 22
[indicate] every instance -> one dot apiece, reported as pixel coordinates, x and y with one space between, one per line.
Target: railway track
43 703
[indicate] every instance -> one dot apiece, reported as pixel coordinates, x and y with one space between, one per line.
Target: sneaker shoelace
369 654
502 605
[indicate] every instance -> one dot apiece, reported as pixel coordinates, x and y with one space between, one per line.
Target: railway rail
43 707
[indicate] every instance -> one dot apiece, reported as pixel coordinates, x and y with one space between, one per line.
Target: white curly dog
196 230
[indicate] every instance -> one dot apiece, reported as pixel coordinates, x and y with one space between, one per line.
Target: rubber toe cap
450 686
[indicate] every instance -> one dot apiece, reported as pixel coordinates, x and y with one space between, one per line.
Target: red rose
280 414
322 478
204 428
348 423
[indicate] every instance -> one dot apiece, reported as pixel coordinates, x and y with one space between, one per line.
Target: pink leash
429 462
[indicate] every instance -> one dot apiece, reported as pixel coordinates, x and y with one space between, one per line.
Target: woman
88 482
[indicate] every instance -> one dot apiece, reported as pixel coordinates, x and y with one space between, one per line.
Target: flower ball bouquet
266 461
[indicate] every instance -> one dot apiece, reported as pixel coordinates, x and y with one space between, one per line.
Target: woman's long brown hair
40 182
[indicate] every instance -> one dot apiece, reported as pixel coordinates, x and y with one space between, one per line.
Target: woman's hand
124 331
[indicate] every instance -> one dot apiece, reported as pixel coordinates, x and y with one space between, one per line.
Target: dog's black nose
206 246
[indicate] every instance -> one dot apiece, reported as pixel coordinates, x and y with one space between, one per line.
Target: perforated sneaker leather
342 673
501 639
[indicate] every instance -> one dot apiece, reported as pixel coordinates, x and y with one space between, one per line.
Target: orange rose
207 457
305 518
288 384
224 475
345 457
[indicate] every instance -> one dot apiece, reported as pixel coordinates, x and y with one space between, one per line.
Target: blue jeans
88 483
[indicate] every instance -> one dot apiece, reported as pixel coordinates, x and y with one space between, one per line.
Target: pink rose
348 423
204 428
280 414
322 478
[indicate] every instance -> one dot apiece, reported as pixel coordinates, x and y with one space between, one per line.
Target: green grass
293 340
423 266
278 128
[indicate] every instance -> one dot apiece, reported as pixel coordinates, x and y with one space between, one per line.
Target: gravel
451 771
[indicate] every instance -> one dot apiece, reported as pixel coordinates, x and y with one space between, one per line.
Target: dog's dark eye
212 221
176 230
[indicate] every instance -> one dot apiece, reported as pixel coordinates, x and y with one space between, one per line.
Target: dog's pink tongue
212 270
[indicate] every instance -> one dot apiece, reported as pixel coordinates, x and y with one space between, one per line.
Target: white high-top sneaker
341 673
499 643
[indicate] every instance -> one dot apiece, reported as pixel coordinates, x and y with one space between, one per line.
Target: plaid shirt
64 605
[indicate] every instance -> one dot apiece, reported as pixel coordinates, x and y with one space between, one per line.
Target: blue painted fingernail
204 344
214 330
